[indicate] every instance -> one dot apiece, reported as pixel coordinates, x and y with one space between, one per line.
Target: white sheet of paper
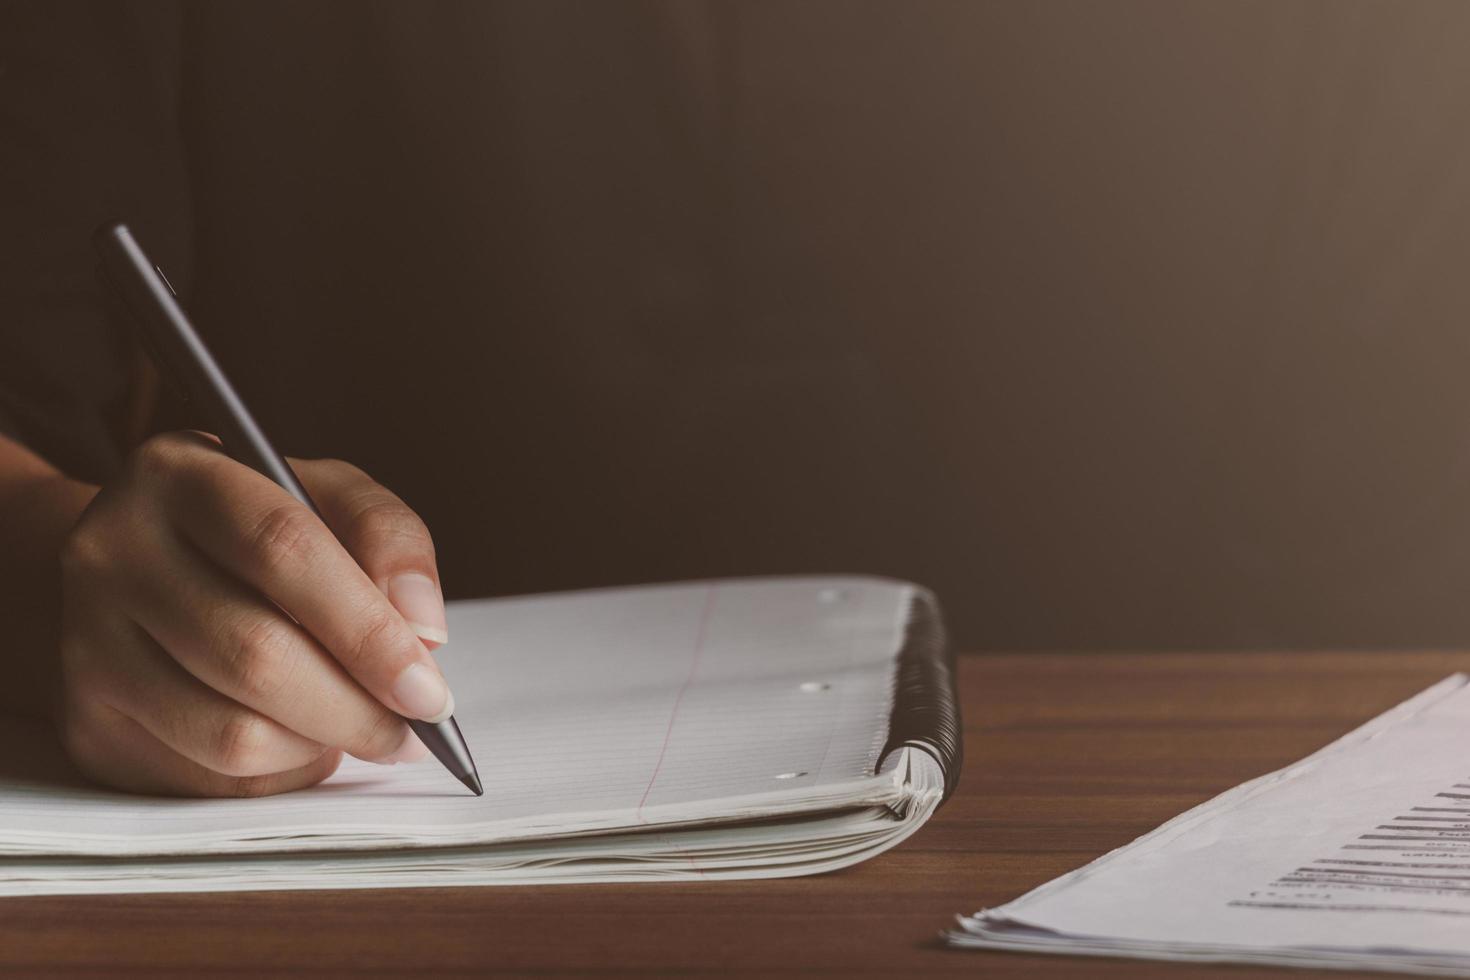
598 712
1357 856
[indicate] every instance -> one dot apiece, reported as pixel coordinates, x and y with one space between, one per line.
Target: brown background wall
1121 324
1178 293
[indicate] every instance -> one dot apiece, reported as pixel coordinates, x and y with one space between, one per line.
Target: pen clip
159 269
141 334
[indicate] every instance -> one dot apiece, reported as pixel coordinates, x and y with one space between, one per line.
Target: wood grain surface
1067 756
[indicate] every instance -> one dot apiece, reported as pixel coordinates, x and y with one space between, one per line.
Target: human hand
218 639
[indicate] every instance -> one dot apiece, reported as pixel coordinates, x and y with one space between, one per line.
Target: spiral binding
926 707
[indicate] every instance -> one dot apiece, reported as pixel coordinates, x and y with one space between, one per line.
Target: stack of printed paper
1356 857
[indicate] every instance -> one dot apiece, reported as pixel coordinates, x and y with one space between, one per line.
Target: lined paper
587 712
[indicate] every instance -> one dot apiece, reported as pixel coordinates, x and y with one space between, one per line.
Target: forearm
38 506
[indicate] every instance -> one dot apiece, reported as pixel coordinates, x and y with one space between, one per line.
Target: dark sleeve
89 95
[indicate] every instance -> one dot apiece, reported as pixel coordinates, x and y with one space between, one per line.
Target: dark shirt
87 130
512 259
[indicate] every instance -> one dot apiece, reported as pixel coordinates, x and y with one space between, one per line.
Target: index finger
265 537
386 539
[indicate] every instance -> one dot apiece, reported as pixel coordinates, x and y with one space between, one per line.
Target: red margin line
701 632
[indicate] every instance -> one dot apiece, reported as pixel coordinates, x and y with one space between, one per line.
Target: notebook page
586 711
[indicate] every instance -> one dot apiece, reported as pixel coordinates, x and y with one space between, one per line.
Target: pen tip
472 780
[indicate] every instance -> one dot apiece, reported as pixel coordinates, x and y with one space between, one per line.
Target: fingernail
412 750
422 693
417 598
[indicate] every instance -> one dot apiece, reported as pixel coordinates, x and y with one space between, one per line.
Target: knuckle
284 537
339 469
256 657
85 552
385 521
160 457
380 630
241 745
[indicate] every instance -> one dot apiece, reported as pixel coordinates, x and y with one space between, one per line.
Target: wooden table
1067 756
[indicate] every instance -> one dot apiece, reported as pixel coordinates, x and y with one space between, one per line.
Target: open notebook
738 728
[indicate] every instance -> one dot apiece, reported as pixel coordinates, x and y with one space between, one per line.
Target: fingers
243 648
218 639
257 533
142 682
385 537
112 748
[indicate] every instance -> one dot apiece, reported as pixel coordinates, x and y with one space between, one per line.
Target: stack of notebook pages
727 729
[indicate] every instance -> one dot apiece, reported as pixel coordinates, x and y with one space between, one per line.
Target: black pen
181 355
